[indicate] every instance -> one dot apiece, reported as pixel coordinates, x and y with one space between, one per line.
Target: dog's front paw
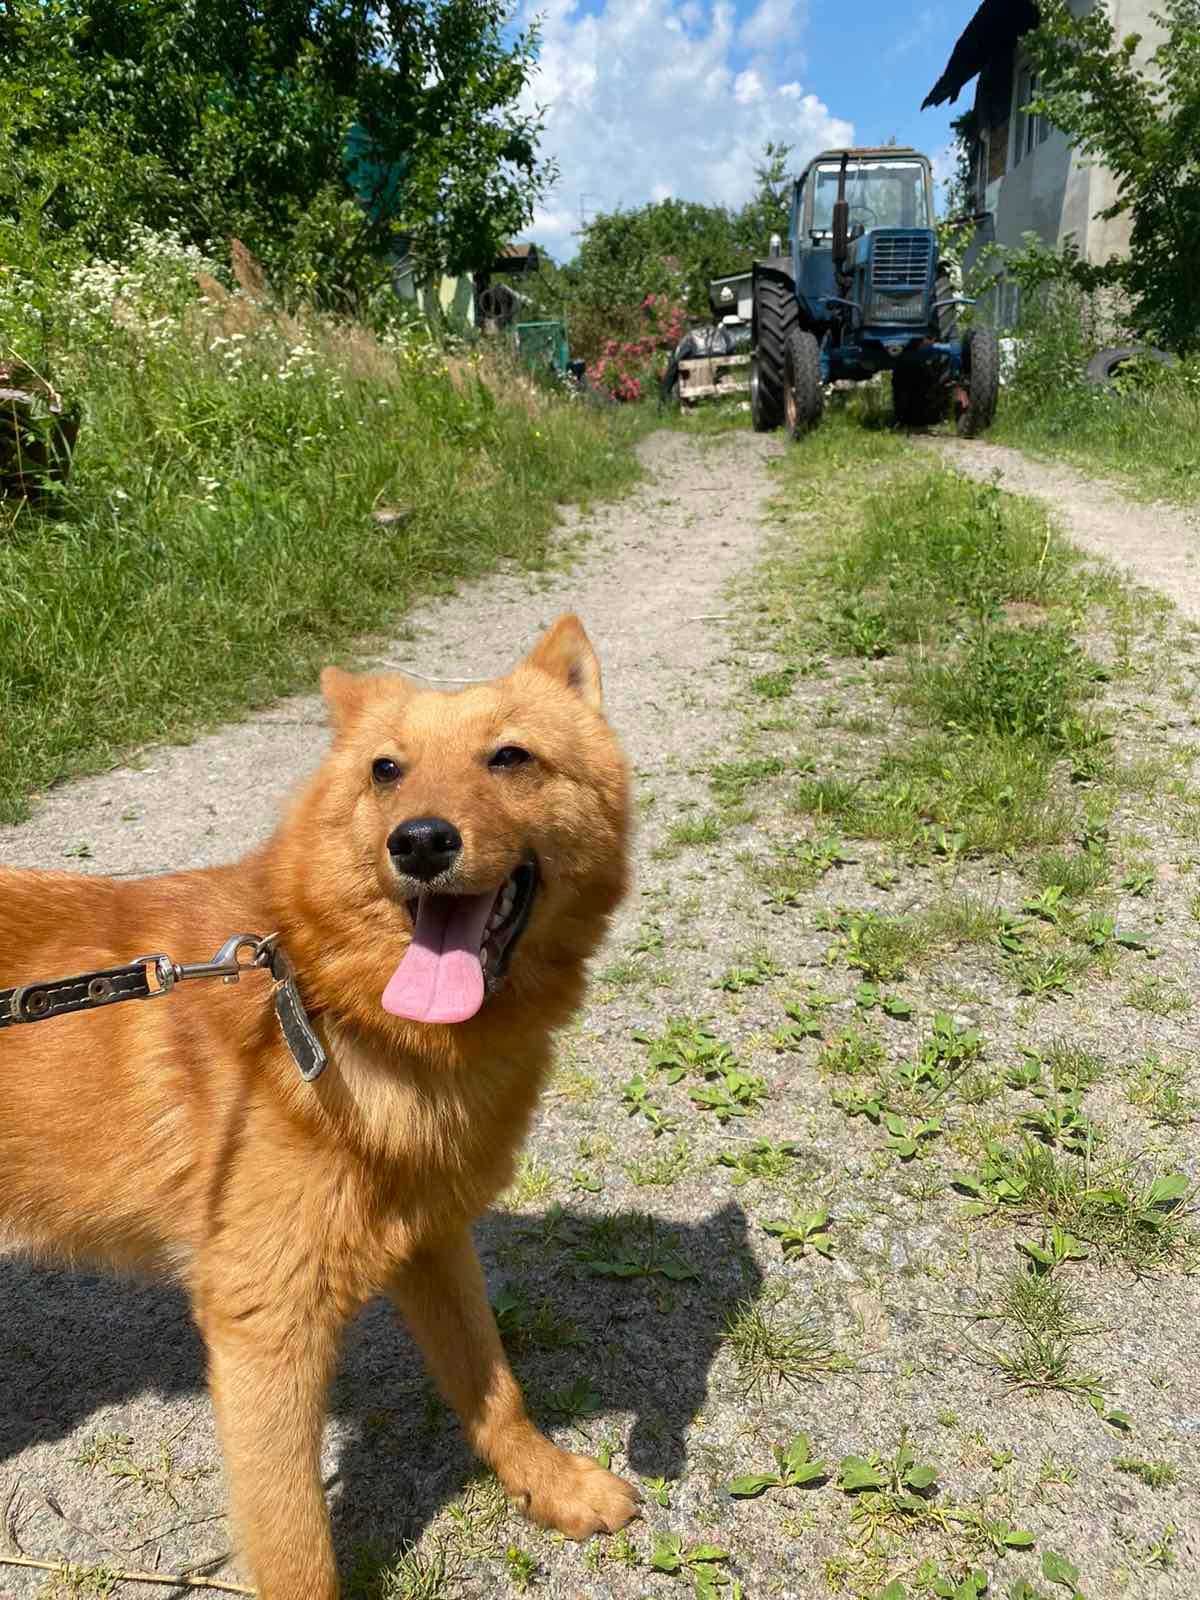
573 1494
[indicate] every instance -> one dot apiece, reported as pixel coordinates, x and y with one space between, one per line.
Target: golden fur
178 1135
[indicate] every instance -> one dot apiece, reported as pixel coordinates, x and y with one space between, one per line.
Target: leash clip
227 964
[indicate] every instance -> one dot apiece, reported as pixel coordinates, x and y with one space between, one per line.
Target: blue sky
649 98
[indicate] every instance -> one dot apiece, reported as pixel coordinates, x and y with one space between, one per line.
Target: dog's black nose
423 847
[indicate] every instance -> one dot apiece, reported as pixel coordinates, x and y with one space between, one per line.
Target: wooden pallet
705 377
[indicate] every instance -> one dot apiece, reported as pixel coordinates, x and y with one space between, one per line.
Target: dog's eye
385 770
510 755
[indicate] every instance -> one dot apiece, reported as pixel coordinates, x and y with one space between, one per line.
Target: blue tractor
862 292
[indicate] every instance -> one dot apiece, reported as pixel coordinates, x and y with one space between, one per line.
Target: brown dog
438 886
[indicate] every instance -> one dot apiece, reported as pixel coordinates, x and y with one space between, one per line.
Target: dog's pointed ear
346 693
342 693
565 652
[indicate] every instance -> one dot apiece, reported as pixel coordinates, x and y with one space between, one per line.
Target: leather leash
154 977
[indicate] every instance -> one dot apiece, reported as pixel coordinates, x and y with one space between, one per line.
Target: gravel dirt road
620 1257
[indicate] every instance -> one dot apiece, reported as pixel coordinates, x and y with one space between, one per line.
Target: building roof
992 31
516 258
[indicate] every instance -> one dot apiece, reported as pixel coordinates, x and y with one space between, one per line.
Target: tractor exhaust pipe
841 232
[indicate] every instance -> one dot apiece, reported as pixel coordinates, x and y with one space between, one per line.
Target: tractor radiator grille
900 261
900 265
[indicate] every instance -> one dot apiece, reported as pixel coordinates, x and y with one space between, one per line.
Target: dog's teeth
485 956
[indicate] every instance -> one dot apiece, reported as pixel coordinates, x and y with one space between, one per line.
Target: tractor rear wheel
981 372
776 315
803 396
919 398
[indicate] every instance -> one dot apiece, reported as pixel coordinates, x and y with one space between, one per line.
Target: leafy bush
1139 117
667 249
625 366
326 137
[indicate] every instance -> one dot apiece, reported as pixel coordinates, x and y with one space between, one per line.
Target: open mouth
507 923
460 950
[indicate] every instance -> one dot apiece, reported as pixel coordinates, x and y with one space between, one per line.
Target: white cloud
772 22
650 98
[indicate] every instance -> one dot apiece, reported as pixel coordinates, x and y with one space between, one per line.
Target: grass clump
1142 1222
1154 1474
992 793
987 795
1042 1315
932 547
1022 683
776 1349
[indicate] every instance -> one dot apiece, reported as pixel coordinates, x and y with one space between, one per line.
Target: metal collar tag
299 1034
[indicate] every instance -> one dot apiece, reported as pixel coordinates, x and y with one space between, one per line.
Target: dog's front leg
441 1296
269 1370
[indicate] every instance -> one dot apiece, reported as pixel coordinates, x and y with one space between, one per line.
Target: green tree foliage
674 247
666 247
231 117
768 209
1143 122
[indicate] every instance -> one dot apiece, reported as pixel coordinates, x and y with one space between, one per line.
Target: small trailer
714 361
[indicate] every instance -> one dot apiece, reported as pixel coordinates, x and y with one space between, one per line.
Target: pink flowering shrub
623 367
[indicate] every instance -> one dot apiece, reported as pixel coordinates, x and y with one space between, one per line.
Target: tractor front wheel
803 396
763 415
981 375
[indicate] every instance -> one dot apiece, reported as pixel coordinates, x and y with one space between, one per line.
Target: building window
1030 130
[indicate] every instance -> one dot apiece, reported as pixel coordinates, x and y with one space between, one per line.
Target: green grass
412 1574
929 547
1044 1322
1154 1474
1078 874
1142 431
964 603
985 795
1156 427
216 545
1122 1213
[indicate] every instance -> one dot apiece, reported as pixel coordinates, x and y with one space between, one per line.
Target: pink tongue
440 978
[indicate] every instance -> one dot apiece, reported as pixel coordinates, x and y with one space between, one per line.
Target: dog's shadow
612 1324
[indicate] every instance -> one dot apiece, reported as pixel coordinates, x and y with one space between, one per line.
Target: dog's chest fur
440 1144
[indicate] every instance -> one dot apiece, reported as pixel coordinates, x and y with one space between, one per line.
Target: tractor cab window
880 194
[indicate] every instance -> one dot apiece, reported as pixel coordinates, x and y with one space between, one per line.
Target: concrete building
1026 176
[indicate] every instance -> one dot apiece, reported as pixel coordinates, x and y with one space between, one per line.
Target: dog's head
458 851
